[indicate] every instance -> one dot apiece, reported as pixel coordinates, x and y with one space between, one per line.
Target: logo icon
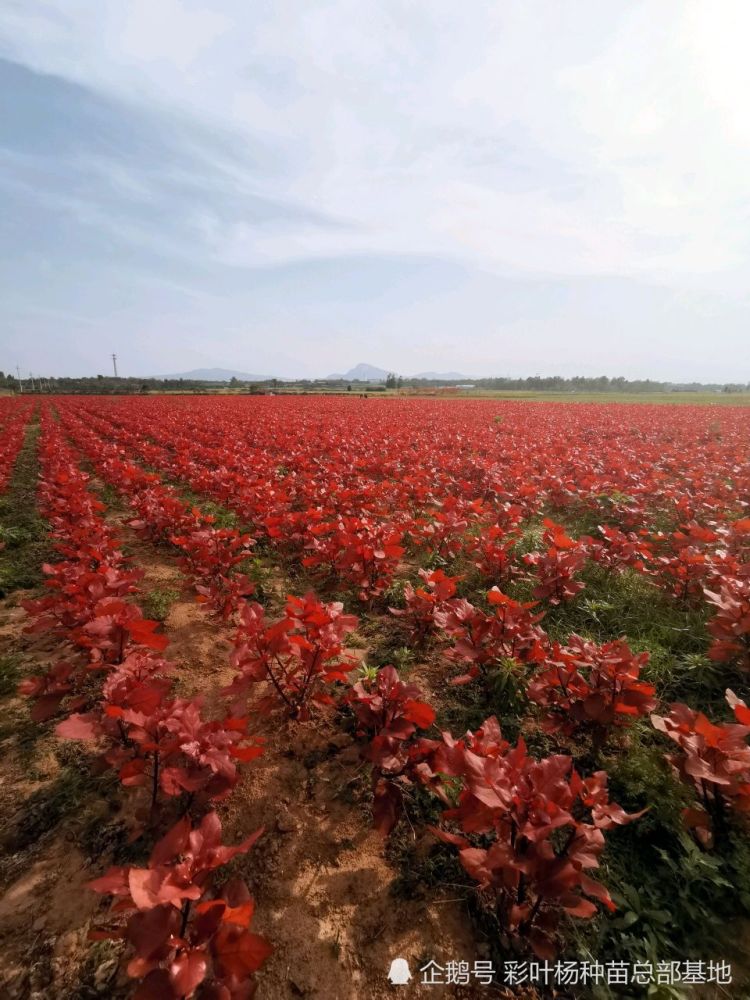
400 973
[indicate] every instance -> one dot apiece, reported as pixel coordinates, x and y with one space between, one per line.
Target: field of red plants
297 686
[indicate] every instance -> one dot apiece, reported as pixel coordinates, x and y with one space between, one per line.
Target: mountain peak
215 375
364 372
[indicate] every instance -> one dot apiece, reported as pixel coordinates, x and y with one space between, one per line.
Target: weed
23 533
157 603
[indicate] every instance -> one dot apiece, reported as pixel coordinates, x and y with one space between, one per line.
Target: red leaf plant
730 626
108 629
443 532
48 690
389 712
423 602
297 655
583 685
113 626
13 437
86 590
557 566
714 759
162 743
494 554
619 550
184 940
689 560
343 483
209 556
480 639
364 553
531 830
76 590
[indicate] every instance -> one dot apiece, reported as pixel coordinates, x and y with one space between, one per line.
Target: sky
289 188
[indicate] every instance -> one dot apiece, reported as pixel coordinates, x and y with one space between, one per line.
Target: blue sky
288 188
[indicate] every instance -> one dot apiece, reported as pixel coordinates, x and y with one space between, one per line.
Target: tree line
108 384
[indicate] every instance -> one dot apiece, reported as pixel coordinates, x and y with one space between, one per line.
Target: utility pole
18 372
114 363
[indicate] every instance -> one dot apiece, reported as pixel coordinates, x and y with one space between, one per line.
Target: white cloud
378 111
522 139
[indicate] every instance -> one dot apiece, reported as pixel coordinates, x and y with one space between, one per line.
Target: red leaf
114 883
240 915
420 713
246 753
188 970
156 986
78 727
239 952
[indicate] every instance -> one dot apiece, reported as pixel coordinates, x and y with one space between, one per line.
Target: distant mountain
362 373
369 373
216 375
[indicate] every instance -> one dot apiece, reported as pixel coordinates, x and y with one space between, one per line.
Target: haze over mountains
215 375
361 372
370 373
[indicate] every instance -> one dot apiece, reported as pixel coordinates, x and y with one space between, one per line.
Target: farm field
294 687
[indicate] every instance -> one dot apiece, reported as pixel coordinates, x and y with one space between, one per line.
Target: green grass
671 631
223 518
22 531
109 496
675 899
672 398
157 603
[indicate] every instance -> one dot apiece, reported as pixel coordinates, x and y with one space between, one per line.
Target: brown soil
44 908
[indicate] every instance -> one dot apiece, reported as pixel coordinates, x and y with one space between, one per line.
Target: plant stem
276 684
155 782
185 917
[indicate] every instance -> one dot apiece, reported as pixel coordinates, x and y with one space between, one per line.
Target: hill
364 372
215 375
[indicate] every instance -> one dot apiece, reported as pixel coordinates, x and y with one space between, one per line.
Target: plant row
185 939
581 687
582 684
529 832
354 500
13 422
358 525
209 555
